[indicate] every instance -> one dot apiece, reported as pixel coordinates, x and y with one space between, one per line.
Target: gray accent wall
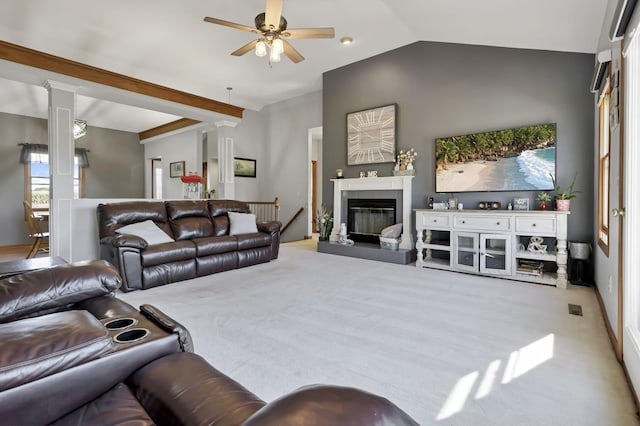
444 89
116 168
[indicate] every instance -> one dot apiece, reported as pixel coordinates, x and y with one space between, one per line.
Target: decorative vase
403 167
410 166
563 205
542 205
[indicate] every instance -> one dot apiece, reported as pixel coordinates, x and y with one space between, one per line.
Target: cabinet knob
534 225
434 221
464 221
497 223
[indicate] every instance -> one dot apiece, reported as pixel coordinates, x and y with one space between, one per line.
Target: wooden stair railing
265 211
295 216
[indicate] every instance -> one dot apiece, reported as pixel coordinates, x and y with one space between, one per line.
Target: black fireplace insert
366 218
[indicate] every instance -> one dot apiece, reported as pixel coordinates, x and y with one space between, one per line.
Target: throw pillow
242 223
392 231
148 231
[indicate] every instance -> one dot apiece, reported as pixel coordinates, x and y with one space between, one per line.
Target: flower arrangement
324 220
406 157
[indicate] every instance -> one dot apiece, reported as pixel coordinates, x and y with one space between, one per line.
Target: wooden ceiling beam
166 128
33 58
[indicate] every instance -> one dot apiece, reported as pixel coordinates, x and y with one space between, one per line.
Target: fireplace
367 217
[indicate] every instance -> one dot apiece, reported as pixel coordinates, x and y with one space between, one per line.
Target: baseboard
614 345
612 336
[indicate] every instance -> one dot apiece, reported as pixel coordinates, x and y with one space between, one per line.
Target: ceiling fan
272 27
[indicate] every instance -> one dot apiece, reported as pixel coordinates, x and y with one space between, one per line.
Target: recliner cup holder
129 336
120 323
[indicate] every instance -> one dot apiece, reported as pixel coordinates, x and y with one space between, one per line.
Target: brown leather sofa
73 354
202 243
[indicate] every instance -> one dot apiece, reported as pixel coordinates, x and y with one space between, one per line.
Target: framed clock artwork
371 136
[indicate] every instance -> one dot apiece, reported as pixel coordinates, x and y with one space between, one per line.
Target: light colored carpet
447 348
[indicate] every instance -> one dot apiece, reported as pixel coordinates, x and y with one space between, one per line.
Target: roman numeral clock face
371 136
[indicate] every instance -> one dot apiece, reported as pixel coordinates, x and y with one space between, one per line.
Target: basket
389 243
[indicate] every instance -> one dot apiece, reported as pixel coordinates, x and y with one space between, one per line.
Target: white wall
251 141
277 137
186 146
287 158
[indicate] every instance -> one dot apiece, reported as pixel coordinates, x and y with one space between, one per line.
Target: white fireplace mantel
387 183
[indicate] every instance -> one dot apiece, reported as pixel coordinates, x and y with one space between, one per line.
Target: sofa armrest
269 227
330 405
49 290
272 228
169 325
183 389
125 240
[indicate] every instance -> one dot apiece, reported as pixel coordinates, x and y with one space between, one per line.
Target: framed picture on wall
244 167
371 136
176 169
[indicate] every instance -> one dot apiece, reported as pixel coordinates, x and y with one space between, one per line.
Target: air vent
575 309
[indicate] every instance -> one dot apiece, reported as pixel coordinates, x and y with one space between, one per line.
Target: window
38 181
603 172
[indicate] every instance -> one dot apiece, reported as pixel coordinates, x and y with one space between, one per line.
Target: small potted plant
564 196
543 198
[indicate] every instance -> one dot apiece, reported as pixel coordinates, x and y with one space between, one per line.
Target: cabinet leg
419 248
561 260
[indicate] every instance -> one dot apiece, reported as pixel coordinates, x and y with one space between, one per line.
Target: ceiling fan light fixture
79 128
261 48
274 56
277 46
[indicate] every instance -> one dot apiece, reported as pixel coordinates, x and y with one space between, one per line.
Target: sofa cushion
146 230
215 245
115 215
52 289
38 347
254 240
116 406
189 219
218 210
168 252
242 223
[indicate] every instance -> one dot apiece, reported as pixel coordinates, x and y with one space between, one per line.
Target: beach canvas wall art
518 159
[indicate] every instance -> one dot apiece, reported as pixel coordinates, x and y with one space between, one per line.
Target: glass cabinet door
495 254
466 251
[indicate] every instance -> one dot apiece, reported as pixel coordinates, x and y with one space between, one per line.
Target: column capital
52 84
225 123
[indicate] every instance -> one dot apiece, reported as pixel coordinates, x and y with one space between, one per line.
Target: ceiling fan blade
246 48
231 24
273 12
292 53
309 33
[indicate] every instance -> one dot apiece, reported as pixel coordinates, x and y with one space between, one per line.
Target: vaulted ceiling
168 43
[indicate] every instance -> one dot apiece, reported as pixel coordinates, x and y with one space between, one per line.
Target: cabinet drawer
433 220
482 223
536 225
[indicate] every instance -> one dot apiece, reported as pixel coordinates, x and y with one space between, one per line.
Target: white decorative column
387 183
62 113
226 135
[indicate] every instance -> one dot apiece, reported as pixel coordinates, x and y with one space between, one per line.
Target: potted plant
543 198
564 196
324 220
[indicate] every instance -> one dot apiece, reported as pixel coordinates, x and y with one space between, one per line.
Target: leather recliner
72 353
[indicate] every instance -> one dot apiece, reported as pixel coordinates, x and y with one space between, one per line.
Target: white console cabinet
519 245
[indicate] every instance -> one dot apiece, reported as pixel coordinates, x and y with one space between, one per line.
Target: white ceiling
168 43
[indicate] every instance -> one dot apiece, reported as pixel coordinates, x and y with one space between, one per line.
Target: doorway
156 178
314 192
